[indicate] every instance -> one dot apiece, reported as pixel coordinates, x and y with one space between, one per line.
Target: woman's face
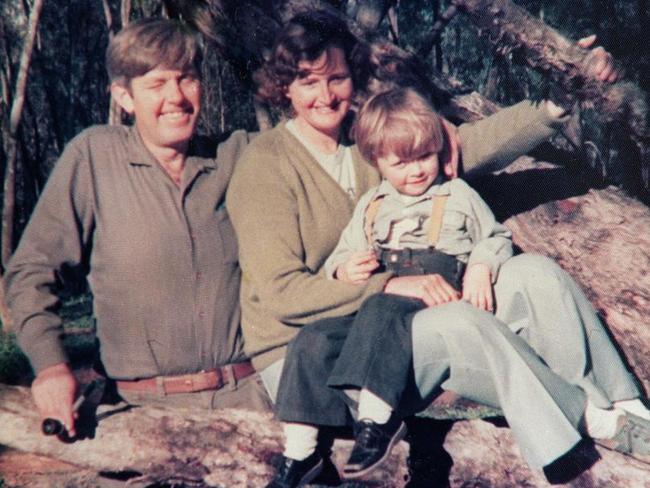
321 94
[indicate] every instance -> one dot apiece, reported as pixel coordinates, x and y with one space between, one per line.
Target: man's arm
494 142
56 237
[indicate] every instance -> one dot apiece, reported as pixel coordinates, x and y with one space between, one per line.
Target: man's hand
600 63
358 268
477 287
432 289
54 391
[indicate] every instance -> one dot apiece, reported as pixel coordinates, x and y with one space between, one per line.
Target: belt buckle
228 372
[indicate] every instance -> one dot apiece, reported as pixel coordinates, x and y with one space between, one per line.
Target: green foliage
14 365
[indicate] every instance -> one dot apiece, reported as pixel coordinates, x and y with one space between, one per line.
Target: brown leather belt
213 379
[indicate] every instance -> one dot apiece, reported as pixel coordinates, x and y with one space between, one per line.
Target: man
144 218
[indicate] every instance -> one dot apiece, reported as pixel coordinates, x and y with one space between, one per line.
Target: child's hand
477 287
358 268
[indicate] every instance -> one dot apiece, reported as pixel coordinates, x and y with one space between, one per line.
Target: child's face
412 177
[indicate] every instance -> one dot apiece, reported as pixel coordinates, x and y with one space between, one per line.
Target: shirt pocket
454 237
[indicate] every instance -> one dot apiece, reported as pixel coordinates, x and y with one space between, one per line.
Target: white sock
373 408
300 440
635 406
601 423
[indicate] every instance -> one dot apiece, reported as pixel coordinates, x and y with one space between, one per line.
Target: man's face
166 104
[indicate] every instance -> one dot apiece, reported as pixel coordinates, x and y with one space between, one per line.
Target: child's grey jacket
469 230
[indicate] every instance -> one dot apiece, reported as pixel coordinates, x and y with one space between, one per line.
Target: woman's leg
540 302
303 395
377 353
463 349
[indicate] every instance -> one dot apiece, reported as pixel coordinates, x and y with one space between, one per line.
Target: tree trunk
114 110
11 149
237 449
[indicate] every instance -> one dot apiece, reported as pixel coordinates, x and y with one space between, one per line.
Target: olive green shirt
161 260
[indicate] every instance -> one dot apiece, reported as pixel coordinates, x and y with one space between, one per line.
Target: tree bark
237 449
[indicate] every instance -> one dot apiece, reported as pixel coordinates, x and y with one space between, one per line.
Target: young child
416 222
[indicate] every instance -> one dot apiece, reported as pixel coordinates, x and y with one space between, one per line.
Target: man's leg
249 393
543 304
469 351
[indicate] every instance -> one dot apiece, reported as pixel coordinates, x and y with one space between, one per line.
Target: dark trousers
371 349
303 395
377 354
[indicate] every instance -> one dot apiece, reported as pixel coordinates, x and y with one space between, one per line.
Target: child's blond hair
401 122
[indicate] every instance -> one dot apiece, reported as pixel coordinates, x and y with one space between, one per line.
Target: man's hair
304 38
152 43
401 122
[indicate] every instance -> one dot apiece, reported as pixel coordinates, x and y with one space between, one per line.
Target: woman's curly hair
304 38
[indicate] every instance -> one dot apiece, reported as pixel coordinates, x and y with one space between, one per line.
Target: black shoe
372 446
292 473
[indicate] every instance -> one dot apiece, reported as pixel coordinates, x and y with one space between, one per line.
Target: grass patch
14 365
461 411
76 313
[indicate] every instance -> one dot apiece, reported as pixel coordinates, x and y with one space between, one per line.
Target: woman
293 192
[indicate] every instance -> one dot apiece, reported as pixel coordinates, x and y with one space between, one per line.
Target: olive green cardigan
288 214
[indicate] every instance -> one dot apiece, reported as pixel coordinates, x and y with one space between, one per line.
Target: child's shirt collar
440 186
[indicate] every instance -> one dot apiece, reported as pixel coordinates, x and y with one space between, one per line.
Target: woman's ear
122 97
450 157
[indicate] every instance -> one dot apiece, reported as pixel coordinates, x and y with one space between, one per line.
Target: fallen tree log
236 448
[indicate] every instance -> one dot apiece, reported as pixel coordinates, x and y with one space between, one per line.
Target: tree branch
511 29
433 37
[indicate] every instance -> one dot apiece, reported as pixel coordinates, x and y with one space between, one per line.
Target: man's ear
123 97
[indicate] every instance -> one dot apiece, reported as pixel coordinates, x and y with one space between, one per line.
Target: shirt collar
440 187
139 155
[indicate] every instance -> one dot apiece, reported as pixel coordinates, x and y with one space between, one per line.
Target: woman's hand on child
477 287
432 289
358 268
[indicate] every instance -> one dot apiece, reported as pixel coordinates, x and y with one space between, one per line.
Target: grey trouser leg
543 304
469 351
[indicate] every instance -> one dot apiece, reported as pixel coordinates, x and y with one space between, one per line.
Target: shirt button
201 314
199 275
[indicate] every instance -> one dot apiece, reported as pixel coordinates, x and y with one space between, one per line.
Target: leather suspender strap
370 215
435 221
